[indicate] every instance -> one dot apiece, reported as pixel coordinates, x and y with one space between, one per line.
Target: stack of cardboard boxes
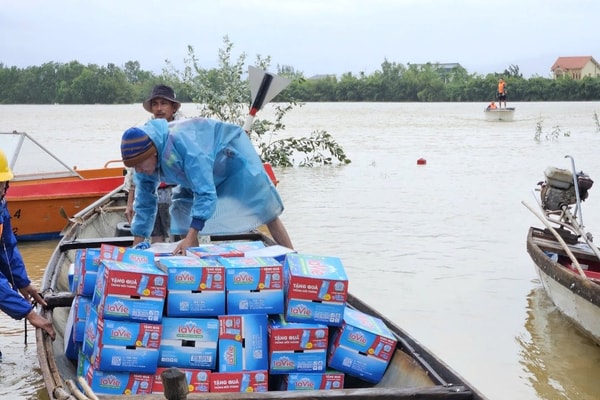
238 317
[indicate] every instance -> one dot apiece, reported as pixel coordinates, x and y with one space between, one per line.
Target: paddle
263 88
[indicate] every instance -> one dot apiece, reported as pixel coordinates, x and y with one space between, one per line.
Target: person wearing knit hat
136 147
222 187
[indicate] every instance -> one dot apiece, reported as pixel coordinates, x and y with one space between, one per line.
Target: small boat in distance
413 371
45 192
566 259
499 114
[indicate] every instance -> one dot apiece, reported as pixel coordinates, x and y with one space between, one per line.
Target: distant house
575 67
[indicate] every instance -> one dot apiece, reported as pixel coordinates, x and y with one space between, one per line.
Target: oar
263 88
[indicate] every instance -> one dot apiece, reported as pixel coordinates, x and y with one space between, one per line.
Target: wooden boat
44 193
413 372
566 259
499 114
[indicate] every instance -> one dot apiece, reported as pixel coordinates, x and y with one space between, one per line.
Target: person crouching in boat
492 106
16 291
222 186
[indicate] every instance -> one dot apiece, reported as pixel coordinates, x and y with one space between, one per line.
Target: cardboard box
105 332
243 343
253 285
80 308
118 383
213 250
296 347
189 343
86 265
195 286
126 254
198 380
239 382
313 381
316 289
362 347
127 279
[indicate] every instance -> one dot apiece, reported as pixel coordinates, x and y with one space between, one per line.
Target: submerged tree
223 93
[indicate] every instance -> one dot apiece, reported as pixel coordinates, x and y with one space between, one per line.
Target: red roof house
575 67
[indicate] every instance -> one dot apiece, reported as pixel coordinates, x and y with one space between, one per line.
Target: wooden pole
174 383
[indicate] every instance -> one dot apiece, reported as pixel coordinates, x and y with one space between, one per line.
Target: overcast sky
312 36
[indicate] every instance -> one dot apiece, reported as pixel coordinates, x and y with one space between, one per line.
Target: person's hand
31 294
191 240
129 213
40 322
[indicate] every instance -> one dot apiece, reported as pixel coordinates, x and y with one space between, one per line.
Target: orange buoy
421 161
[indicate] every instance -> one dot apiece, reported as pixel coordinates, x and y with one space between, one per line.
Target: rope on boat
559 238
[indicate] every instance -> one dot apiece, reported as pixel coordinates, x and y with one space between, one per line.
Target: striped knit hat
136 146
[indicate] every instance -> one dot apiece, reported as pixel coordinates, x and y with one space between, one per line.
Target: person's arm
129 207
129 186
145 204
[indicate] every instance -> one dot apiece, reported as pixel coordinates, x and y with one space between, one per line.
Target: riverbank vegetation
75 83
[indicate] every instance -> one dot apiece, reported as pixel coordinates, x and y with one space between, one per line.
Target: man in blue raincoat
16 291
222 184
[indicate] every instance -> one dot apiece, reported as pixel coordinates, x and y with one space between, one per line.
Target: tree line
75 83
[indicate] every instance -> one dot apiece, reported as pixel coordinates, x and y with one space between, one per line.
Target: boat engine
558 190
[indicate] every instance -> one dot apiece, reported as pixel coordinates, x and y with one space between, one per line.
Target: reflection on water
557 357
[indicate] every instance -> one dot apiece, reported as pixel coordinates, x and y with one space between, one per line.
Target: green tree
223 93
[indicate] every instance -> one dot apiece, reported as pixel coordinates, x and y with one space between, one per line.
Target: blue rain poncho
222 186
13 274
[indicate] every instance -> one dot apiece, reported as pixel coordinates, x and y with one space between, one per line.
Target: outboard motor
558 190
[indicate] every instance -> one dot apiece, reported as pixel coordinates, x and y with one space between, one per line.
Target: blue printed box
81 307
124 359
316 289
71 347
105 332
362 347
213 250
243 344
277 252
198 380
239 382
127 279
196 287
128 308
87 263
313 381
117 383
189 343
296 347
253 285
126 254
246 246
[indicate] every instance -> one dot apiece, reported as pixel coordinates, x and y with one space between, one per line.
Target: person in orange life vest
161 103
502 92
492 106
16 291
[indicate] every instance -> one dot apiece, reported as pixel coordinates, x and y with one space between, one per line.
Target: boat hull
413 372
575 296
500 114
40 208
